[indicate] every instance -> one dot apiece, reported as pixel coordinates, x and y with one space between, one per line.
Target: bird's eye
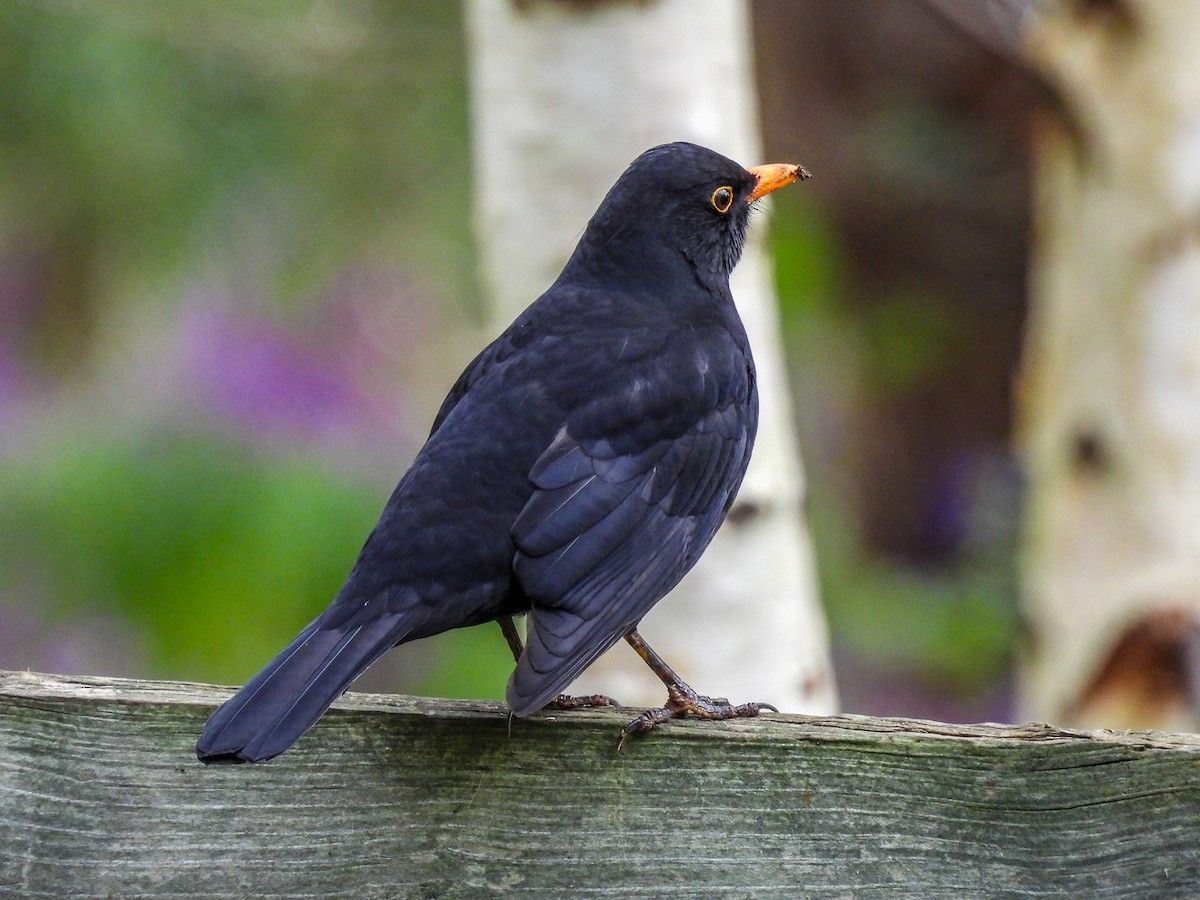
722 199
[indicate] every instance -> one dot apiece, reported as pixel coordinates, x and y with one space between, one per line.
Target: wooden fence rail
100 795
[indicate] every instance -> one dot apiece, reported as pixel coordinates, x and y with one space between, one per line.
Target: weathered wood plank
100 795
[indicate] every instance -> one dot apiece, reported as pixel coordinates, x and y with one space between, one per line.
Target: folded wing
610 529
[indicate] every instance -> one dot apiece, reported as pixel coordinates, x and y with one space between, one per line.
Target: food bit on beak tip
773 176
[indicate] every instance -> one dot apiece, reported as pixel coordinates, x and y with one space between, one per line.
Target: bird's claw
683 701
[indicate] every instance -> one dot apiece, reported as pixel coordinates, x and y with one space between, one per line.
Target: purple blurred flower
12 388
254 375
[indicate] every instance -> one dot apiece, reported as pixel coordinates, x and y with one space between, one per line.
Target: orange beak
774 176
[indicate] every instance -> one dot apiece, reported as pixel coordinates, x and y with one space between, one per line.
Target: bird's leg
562 701
681 699
509 628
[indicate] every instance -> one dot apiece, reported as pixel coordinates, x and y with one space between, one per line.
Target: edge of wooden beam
770 726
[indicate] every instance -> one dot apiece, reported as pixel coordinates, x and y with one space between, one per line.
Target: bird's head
684 198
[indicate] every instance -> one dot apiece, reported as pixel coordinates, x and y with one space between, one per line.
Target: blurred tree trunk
565 95
1111 382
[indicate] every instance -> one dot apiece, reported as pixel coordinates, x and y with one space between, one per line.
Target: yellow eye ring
722 199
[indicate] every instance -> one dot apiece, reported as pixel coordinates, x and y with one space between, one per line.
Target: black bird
577 469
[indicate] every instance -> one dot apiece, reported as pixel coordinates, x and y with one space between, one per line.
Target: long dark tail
286 698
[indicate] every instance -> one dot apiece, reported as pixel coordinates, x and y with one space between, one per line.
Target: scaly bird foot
683 701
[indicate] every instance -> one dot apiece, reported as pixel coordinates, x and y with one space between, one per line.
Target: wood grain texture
100 795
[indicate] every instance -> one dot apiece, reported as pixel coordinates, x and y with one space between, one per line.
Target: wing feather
607 534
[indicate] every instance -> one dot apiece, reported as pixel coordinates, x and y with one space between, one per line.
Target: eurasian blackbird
577 469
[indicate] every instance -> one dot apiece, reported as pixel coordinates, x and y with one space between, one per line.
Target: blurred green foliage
143 146
907 340
217 554
952 626
136 136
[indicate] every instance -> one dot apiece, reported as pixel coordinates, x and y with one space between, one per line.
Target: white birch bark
565 96
1111 382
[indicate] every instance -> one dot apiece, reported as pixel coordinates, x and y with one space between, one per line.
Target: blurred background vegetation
237 277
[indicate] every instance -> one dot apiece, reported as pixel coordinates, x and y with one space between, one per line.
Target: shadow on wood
100 794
